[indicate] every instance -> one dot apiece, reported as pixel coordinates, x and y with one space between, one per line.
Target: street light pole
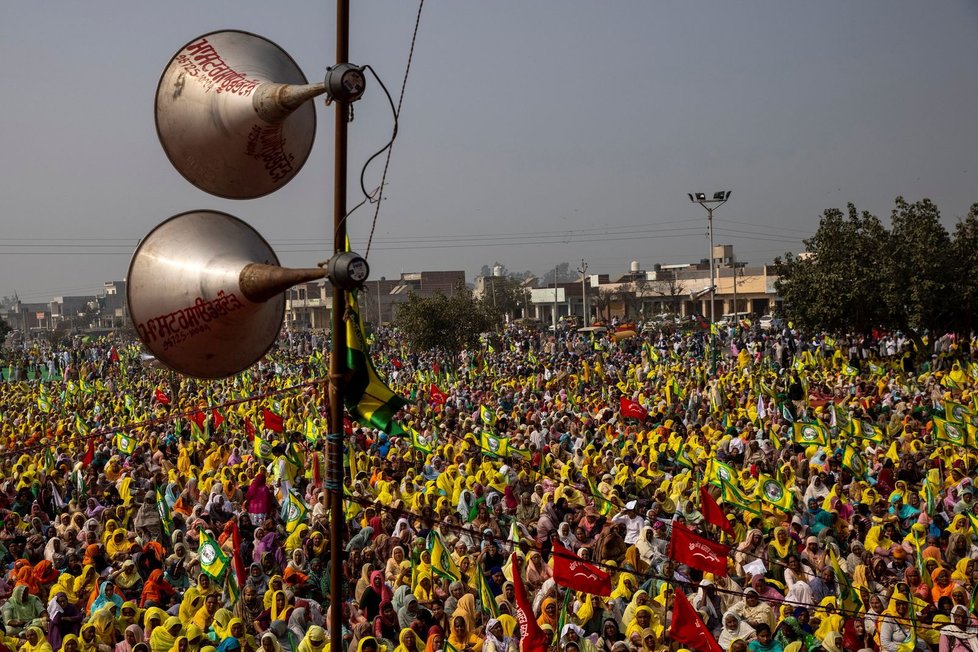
719 198
583 271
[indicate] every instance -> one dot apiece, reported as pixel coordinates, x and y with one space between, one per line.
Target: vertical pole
733 262
555 301
713 321
337 358
584 291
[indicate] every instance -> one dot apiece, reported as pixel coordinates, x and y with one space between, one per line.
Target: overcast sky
532 132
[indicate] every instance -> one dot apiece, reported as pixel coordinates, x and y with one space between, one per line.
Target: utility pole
555 300
719 198
582 270
733 263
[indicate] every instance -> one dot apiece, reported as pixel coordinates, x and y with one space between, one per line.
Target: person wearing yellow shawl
153 617
221 625
275 584
314 640
463 624
295 539
35 641
66 585
643 620
163 638
780 548
84 584
191 603
895 629
69 644
408 641
180 644
88 639
831 621
624 590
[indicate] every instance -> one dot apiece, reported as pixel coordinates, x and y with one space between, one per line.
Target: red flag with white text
688 628
575 573
632 409
532 636
697 552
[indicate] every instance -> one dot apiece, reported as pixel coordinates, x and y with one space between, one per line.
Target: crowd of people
144 512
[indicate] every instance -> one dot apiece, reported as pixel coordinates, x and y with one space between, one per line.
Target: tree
507 296
964 258
834 286
451 323
4 330
857 275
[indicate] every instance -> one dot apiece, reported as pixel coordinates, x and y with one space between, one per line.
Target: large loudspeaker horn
233 115
205 293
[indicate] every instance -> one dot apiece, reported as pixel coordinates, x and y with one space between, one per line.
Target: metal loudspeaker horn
233 115
205 293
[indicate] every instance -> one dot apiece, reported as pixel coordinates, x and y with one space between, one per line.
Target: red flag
273 422
532 636
218 419
347 425
113 354
688 628
249 429
89 456
712 512
199 418
396 363
632 409
239 567
161 397
317 475
575 573
702 554
437 396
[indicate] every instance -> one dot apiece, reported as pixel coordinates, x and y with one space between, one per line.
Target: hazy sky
532 132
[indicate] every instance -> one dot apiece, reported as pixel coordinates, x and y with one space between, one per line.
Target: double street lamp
719 198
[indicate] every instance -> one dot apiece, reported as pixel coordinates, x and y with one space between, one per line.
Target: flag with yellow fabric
441 559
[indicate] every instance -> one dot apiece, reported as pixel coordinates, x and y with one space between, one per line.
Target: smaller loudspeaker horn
233 115
205 293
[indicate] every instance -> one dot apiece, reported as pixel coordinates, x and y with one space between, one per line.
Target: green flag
213 561
368 398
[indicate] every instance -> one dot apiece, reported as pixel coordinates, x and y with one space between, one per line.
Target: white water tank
633 267
497 270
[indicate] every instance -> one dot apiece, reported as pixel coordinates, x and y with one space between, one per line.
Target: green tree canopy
856 274
451 323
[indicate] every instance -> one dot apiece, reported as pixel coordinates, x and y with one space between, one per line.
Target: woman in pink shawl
259 500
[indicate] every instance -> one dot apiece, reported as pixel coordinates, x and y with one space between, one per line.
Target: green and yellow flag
494 446
735 496
952 432
293 511
262 448
81 427
164 509
486 597
44 400
368 398
810 434
957 412
849 600
774 493
213 561
441 559
865 430
421 442
719 474
125 443
312 431
487 415
853 462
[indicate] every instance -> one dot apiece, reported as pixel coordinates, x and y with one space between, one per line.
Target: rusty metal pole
337 358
